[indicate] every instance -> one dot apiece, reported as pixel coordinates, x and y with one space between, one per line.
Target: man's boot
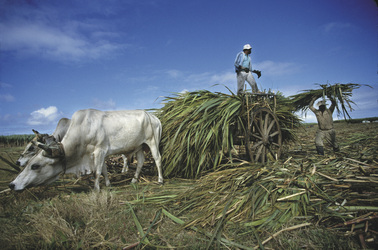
320 150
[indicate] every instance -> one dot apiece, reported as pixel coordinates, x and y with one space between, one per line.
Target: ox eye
31 148
35 167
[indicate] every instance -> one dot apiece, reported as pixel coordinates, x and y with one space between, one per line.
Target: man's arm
237 62
311 105
333 105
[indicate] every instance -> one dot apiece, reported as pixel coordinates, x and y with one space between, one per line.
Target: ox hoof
160 180
134 180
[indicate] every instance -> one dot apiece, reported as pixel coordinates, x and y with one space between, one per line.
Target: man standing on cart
243 69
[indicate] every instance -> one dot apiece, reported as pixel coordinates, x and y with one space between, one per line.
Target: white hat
247 46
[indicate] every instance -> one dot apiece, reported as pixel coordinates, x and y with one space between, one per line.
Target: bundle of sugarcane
199 129
340 93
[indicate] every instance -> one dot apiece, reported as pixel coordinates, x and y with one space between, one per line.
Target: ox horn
44 147
37 135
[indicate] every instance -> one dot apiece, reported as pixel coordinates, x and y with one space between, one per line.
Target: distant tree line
15 140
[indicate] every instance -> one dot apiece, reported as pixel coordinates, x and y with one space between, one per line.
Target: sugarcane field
241 171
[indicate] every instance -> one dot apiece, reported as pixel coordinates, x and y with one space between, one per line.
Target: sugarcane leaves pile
341 93
256 196
263 198
199 129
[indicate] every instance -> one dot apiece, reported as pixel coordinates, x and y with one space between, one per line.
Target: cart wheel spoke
271 126
273 154
266 121
256 145
257 136
261 121
275 133
258 127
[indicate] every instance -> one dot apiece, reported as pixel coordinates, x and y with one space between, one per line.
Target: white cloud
5 85
331 27
202 79
223 78
5 118
307 117
277 68
365 97
174 73
55 43
44 116
184 91
7 98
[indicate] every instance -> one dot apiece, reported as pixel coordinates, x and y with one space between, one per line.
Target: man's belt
246 70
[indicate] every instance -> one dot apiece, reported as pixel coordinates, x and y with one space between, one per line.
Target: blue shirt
246 61
243 60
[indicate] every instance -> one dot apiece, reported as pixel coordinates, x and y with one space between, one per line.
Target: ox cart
261 138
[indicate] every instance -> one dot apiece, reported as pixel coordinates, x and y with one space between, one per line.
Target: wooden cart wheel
263 138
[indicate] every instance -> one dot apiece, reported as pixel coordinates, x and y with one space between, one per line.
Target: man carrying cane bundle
325 125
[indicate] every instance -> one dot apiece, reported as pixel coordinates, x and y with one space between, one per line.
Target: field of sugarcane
15 140
211 199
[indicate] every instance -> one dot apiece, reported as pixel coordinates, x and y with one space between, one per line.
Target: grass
67 215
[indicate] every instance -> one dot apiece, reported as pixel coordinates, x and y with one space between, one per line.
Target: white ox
60 131
91 136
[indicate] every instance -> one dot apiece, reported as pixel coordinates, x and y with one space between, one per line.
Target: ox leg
99 163
125 166
157 157
105 174
140 159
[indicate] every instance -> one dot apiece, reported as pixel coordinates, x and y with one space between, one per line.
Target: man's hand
257 72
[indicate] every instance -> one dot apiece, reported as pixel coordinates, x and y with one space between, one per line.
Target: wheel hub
266 140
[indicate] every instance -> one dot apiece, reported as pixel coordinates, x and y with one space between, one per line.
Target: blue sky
57 57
